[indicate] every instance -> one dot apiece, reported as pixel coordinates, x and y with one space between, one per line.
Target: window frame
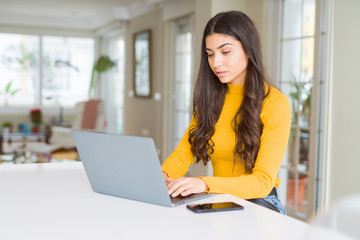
319 110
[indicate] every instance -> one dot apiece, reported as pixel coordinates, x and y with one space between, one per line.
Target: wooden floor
69 154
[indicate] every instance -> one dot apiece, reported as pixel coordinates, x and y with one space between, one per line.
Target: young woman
240 122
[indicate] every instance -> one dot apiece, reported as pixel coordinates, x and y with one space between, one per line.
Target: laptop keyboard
180 198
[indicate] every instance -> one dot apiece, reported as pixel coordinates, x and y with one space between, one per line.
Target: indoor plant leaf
103 64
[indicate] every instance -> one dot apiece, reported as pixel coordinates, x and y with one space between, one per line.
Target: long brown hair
209 93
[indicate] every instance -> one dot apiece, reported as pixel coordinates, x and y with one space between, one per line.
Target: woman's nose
217 60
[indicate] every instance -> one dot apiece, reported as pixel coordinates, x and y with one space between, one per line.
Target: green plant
8 91
301 99
21 59
6 127
301 109
6 124
21 55
36 116
102 64
66 64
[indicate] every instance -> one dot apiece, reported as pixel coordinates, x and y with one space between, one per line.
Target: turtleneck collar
235 88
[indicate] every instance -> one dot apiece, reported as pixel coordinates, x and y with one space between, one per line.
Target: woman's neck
235 88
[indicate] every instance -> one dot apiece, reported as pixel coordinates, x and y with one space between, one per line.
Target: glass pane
183 95
290 60
182 122
187 61
183 38
305 90
302 194
290 189
307 59
188 45
183 68
299 95
19 69
180 68
116 53
183 81
303 164
180 97
285 161
291 93
283 175
298 18
292 148
309 11
292 18
297 186
67 66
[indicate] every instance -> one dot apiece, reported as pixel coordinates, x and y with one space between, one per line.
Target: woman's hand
167 179
185 186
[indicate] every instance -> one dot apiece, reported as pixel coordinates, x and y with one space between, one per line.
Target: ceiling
74 14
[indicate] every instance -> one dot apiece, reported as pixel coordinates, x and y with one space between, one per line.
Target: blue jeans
274 200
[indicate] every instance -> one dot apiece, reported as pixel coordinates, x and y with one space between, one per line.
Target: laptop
126 167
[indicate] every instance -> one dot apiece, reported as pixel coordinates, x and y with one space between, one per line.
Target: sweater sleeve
276 117
177 164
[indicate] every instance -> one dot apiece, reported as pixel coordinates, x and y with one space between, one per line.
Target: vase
35 129
290 198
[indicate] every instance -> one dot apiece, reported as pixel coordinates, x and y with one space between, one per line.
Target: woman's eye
226 52
209 54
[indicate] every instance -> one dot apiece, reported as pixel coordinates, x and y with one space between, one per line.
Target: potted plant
6 127
102 64
36 119
301 109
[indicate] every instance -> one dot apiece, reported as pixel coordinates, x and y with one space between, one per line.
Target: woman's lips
220 74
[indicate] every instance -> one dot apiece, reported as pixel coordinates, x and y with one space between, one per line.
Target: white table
55 201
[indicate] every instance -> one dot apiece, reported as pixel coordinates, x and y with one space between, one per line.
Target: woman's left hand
186 185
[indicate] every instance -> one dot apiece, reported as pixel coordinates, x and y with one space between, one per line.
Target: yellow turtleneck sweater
276 117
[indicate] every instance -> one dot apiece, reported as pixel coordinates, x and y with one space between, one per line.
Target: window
113 82
300 79
62 78
181 86
67 64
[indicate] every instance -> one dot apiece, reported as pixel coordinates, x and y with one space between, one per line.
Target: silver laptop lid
122 166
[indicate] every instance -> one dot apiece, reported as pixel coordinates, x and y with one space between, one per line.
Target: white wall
344 154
